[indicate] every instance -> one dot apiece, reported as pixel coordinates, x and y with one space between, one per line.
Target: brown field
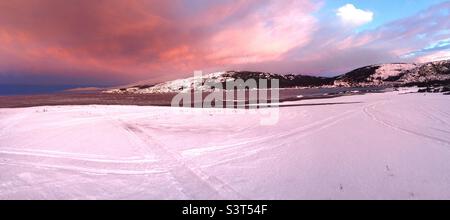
98 98
84 99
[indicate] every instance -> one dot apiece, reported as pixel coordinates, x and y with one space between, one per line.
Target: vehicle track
80 164
370 111
190 179
251 144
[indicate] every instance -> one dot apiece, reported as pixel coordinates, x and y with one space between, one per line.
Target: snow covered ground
374 146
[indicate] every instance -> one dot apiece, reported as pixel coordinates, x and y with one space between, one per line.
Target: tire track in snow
85 169
303 131
370 111
93 164
190 180
429 114
80 157
80 164
300 132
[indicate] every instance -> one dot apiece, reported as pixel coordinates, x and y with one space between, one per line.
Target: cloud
335 49
436 56
116 41
427 53
146 39
350 15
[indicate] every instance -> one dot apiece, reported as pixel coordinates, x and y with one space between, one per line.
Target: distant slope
397 74
394 74
221 78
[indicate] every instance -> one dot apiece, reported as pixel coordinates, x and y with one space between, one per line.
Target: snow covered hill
375 75
397 74
188 84
178 85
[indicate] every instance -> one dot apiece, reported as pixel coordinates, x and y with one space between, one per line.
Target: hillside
397 74
394 74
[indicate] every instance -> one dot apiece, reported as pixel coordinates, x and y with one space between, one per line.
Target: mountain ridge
390 74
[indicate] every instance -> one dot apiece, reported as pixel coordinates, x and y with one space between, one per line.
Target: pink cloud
146 38
123 41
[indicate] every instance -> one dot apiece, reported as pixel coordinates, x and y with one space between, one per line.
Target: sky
113 42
